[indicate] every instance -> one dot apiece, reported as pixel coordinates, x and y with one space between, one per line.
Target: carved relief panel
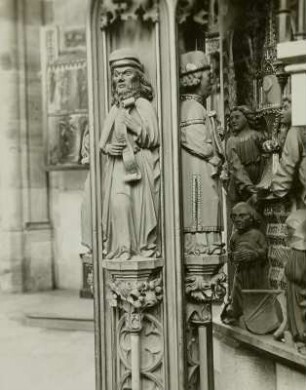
64 74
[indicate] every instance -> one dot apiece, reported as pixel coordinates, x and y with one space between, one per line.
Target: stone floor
34 358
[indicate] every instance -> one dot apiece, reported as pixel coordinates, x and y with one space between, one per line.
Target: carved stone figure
130 141
295 271
248 252
244 154
201 159
290 177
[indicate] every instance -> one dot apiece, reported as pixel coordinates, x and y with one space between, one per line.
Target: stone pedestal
203 285
135 293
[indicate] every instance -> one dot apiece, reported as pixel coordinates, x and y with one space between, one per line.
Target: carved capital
201 289
136 296
112 11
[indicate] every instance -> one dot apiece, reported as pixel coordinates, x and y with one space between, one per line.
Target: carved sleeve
195 139
286 172
148 136
236 168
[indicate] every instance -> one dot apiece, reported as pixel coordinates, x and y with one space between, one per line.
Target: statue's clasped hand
115 149
130 122
243 256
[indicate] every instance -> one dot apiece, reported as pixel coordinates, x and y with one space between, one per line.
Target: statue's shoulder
143 104
191 110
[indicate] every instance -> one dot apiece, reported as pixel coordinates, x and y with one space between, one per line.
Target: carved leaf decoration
201 17
123 10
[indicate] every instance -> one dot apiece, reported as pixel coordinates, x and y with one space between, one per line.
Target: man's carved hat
125 57
193 61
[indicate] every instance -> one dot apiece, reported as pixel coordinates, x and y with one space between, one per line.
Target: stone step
53 321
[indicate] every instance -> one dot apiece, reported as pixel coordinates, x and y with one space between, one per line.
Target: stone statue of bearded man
131 170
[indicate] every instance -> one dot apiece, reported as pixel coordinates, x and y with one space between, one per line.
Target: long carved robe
245 163
131 209
295 272
201 190
250 274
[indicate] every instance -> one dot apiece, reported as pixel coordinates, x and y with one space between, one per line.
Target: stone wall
39 211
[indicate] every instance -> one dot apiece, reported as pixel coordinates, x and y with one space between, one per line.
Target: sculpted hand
215 161
244 256
115 149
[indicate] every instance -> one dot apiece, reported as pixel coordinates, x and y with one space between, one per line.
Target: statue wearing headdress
202 159
130 184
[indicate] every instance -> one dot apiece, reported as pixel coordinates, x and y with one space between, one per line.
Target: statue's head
242 117
296 230
195 74
285 117
128 77
244 216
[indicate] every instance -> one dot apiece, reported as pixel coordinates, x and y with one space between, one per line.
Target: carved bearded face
242 218
126 81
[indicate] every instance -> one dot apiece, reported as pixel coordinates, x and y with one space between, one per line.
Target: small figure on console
248 252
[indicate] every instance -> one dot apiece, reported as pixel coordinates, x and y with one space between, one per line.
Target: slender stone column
11 233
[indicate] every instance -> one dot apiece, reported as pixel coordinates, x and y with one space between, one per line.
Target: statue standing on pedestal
202 160
131 171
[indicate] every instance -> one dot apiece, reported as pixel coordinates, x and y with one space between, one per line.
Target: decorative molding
200 288
195 9
135 295
199 314
112 11
151 351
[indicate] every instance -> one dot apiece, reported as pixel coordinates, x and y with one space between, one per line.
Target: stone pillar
38 272
11 223
25 259
293 55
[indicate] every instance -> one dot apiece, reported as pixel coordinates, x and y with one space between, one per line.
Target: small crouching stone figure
248 252
131 170
295 271
202 160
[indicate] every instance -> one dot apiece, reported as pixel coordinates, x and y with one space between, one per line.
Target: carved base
207 265
87 271
135 293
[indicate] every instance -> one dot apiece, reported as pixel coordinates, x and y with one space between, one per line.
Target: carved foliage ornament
112 11
135 296
200 290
